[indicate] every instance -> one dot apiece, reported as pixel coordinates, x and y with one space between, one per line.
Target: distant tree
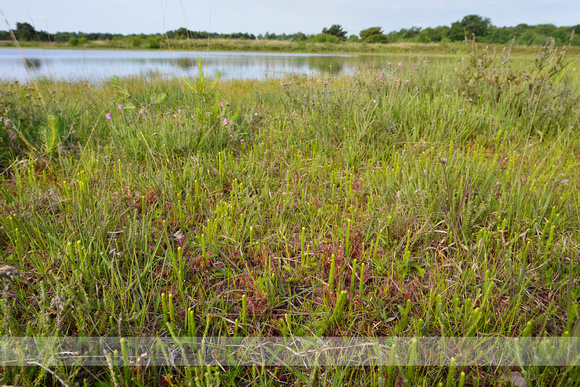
136 41
545 29
394 36
92 36
422 38
576 38
242 36
62 36
154 42
353 38
25 31
410 33
500 35
106 36
373 35
182 32
531 38
299 37
563 35
520 29
475 25
336 30
43 36
456 32
468 26
432 34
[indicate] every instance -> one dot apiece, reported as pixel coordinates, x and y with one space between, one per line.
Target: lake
99 65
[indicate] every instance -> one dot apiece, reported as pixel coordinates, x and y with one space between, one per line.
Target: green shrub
154 43
323 38
136 42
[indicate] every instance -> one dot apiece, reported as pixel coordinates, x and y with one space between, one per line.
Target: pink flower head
142 110
108 115
319 79
440 81
120 107
400 63
354 68
282 83
225 122
222 103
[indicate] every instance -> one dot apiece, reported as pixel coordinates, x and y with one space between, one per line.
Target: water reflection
186 63
328 64
99 65
32 63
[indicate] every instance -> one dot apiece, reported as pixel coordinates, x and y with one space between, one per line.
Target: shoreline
283 47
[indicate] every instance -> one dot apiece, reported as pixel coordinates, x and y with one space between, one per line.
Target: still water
99 65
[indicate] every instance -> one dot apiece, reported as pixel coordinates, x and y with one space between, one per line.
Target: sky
277 16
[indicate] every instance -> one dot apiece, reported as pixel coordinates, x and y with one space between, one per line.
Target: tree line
469 26
26 32
483 30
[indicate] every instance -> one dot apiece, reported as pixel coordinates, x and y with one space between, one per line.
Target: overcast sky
288 16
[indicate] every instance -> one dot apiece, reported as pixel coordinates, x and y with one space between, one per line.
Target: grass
412 200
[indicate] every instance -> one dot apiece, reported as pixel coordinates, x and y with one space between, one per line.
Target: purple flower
108 115
354 68
120 107
142 110
440 81
319 79
225 122
8 122
282 83
400 63
222 103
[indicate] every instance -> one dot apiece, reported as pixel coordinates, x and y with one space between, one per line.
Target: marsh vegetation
411 199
